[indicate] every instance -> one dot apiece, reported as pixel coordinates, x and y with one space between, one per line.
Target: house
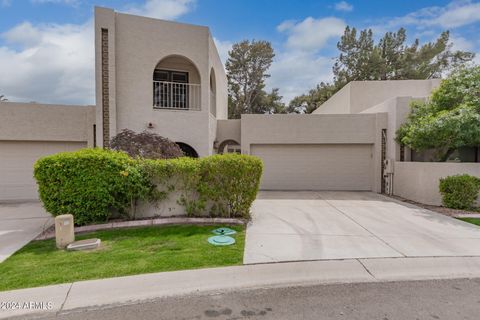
167 77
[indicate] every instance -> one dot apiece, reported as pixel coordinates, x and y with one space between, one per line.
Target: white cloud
50 63
311 34
163 9
54 63
297 72
456 14
223 47
343 6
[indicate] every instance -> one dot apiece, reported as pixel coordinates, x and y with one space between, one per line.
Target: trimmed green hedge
90 183
459 191
93 183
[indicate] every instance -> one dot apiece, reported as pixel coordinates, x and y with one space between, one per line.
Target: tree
391 58
3 98
145 145
247 67
450 119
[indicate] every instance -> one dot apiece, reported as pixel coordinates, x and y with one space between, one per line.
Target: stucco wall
42 122
365 94
140 43
221 91
229 130
358 96
339 103
317 129
418 181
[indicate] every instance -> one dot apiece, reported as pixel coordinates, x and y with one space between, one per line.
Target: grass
471 220
123 252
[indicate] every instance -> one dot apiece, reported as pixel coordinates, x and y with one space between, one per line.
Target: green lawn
471 220
123 252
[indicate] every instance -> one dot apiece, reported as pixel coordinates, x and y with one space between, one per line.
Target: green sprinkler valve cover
224 231
221 240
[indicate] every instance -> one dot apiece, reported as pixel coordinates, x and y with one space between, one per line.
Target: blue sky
46 46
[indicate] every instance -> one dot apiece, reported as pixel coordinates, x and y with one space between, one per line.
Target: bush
90 183
146 145
459 191
230 183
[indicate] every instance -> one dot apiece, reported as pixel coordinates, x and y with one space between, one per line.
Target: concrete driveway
295 226
19 224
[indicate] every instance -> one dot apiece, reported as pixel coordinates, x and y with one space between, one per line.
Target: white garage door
316 166
16 165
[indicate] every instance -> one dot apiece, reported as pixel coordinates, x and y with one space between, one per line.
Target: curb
145 223
94 294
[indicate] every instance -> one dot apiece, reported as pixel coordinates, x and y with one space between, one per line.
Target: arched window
229 146
176 84
213 93
187 150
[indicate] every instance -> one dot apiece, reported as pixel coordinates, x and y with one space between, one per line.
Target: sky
47 55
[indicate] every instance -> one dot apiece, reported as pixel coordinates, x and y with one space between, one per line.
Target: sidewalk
124 290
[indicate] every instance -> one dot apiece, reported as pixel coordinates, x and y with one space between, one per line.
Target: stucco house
167 77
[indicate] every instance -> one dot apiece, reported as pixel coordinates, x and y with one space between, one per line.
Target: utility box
64 231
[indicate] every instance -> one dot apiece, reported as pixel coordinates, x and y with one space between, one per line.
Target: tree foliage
450 119
145 145
3 98
390 58
247 69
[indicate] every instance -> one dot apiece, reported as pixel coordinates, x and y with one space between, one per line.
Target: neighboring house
167 77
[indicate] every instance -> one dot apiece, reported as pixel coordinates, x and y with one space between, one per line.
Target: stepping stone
87 244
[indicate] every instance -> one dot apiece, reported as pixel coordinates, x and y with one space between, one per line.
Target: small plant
146 145
459 191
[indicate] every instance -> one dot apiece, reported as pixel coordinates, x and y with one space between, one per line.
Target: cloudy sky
46 46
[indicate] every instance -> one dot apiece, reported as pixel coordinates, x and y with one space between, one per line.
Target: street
433 299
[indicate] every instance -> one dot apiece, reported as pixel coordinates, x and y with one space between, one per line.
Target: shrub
459 191
145 145
230 183
182 174
90 183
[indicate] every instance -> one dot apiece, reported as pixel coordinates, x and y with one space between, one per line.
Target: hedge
91 184
459 191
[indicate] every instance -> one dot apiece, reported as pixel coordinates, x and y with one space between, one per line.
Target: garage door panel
16 165
315 166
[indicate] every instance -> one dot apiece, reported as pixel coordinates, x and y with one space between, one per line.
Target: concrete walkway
94 294
19 224
299 226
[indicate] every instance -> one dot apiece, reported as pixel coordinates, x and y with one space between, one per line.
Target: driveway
295 226
19 224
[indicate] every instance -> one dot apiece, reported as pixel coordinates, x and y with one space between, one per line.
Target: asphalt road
440 299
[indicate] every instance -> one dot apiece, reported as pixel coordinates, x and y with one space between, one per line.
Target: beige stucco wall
339 103
358 96
317 129
229 130
42 122
221 90
138 45
419 181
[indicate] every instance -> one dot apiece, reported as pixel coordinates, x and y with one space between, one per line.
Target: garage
16 165
315 166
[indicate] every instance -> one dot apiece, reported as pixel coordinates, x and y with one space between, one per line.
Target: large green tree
450 119
247 69
390 58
